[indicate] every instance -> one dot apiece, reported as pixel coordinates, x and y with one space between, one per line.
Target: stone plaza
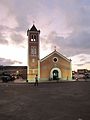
47 101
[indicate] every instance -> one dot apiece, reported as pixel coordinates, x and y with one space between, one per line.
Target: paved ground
52 101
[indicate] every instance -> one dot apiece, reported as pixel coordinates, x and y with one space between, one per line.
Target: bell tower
33 53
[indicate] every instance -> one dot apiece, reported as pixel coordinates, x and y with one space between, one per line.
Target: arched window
31 37
34 37
33 50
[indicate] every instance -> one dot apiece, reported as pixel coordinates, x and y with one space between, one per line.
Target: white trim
59 71
71 69
38 69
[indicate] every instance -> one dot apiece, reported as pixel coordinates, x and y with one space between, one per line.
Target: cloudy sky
63 23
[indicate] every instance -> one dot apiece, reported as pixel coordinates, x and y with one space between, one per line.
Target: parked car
7 77
87 76
79 76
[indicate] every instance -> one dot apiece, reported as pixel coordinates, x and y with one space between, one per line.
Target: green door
55 74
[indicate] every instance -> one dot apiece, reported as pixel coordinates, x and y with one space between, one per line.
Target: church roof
69 60
33 28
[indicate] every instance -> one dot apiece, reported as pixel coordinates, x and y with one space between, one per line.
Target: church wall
45 68
47 65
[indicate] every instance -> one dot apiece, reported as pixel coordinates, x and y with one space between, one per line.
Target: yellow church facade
54 66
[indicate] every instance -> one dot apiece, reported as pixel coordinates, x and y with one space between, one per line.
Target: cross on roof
55 48
33 22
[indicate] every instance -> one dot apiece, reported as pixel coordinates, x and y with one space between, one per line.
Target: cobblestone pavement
48 101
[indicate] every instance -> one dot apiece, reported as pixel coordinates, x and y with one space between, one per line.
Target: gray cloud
4 61
83 59
84 63
57 16
4 28
17 38
14 37
79 19
75 13
80 64
76 43
3 39
22 10
79 40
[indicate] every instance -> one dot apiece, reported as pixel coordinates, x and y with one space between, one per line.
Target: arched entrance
55 73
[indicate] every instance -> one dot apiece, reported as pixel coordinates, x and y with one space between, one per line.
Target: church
54 66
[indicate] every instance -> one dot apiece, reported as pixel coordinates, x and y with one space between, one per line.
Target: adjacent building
16 71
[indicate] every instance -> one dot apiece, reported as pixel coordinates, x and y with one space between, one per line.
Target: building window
33 37
33 50
55 59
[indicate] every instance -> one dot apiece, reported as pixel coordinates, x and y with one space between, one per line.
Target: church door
55 74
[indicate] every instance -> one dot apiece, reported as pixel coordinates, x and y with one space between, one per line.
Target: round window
55 59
